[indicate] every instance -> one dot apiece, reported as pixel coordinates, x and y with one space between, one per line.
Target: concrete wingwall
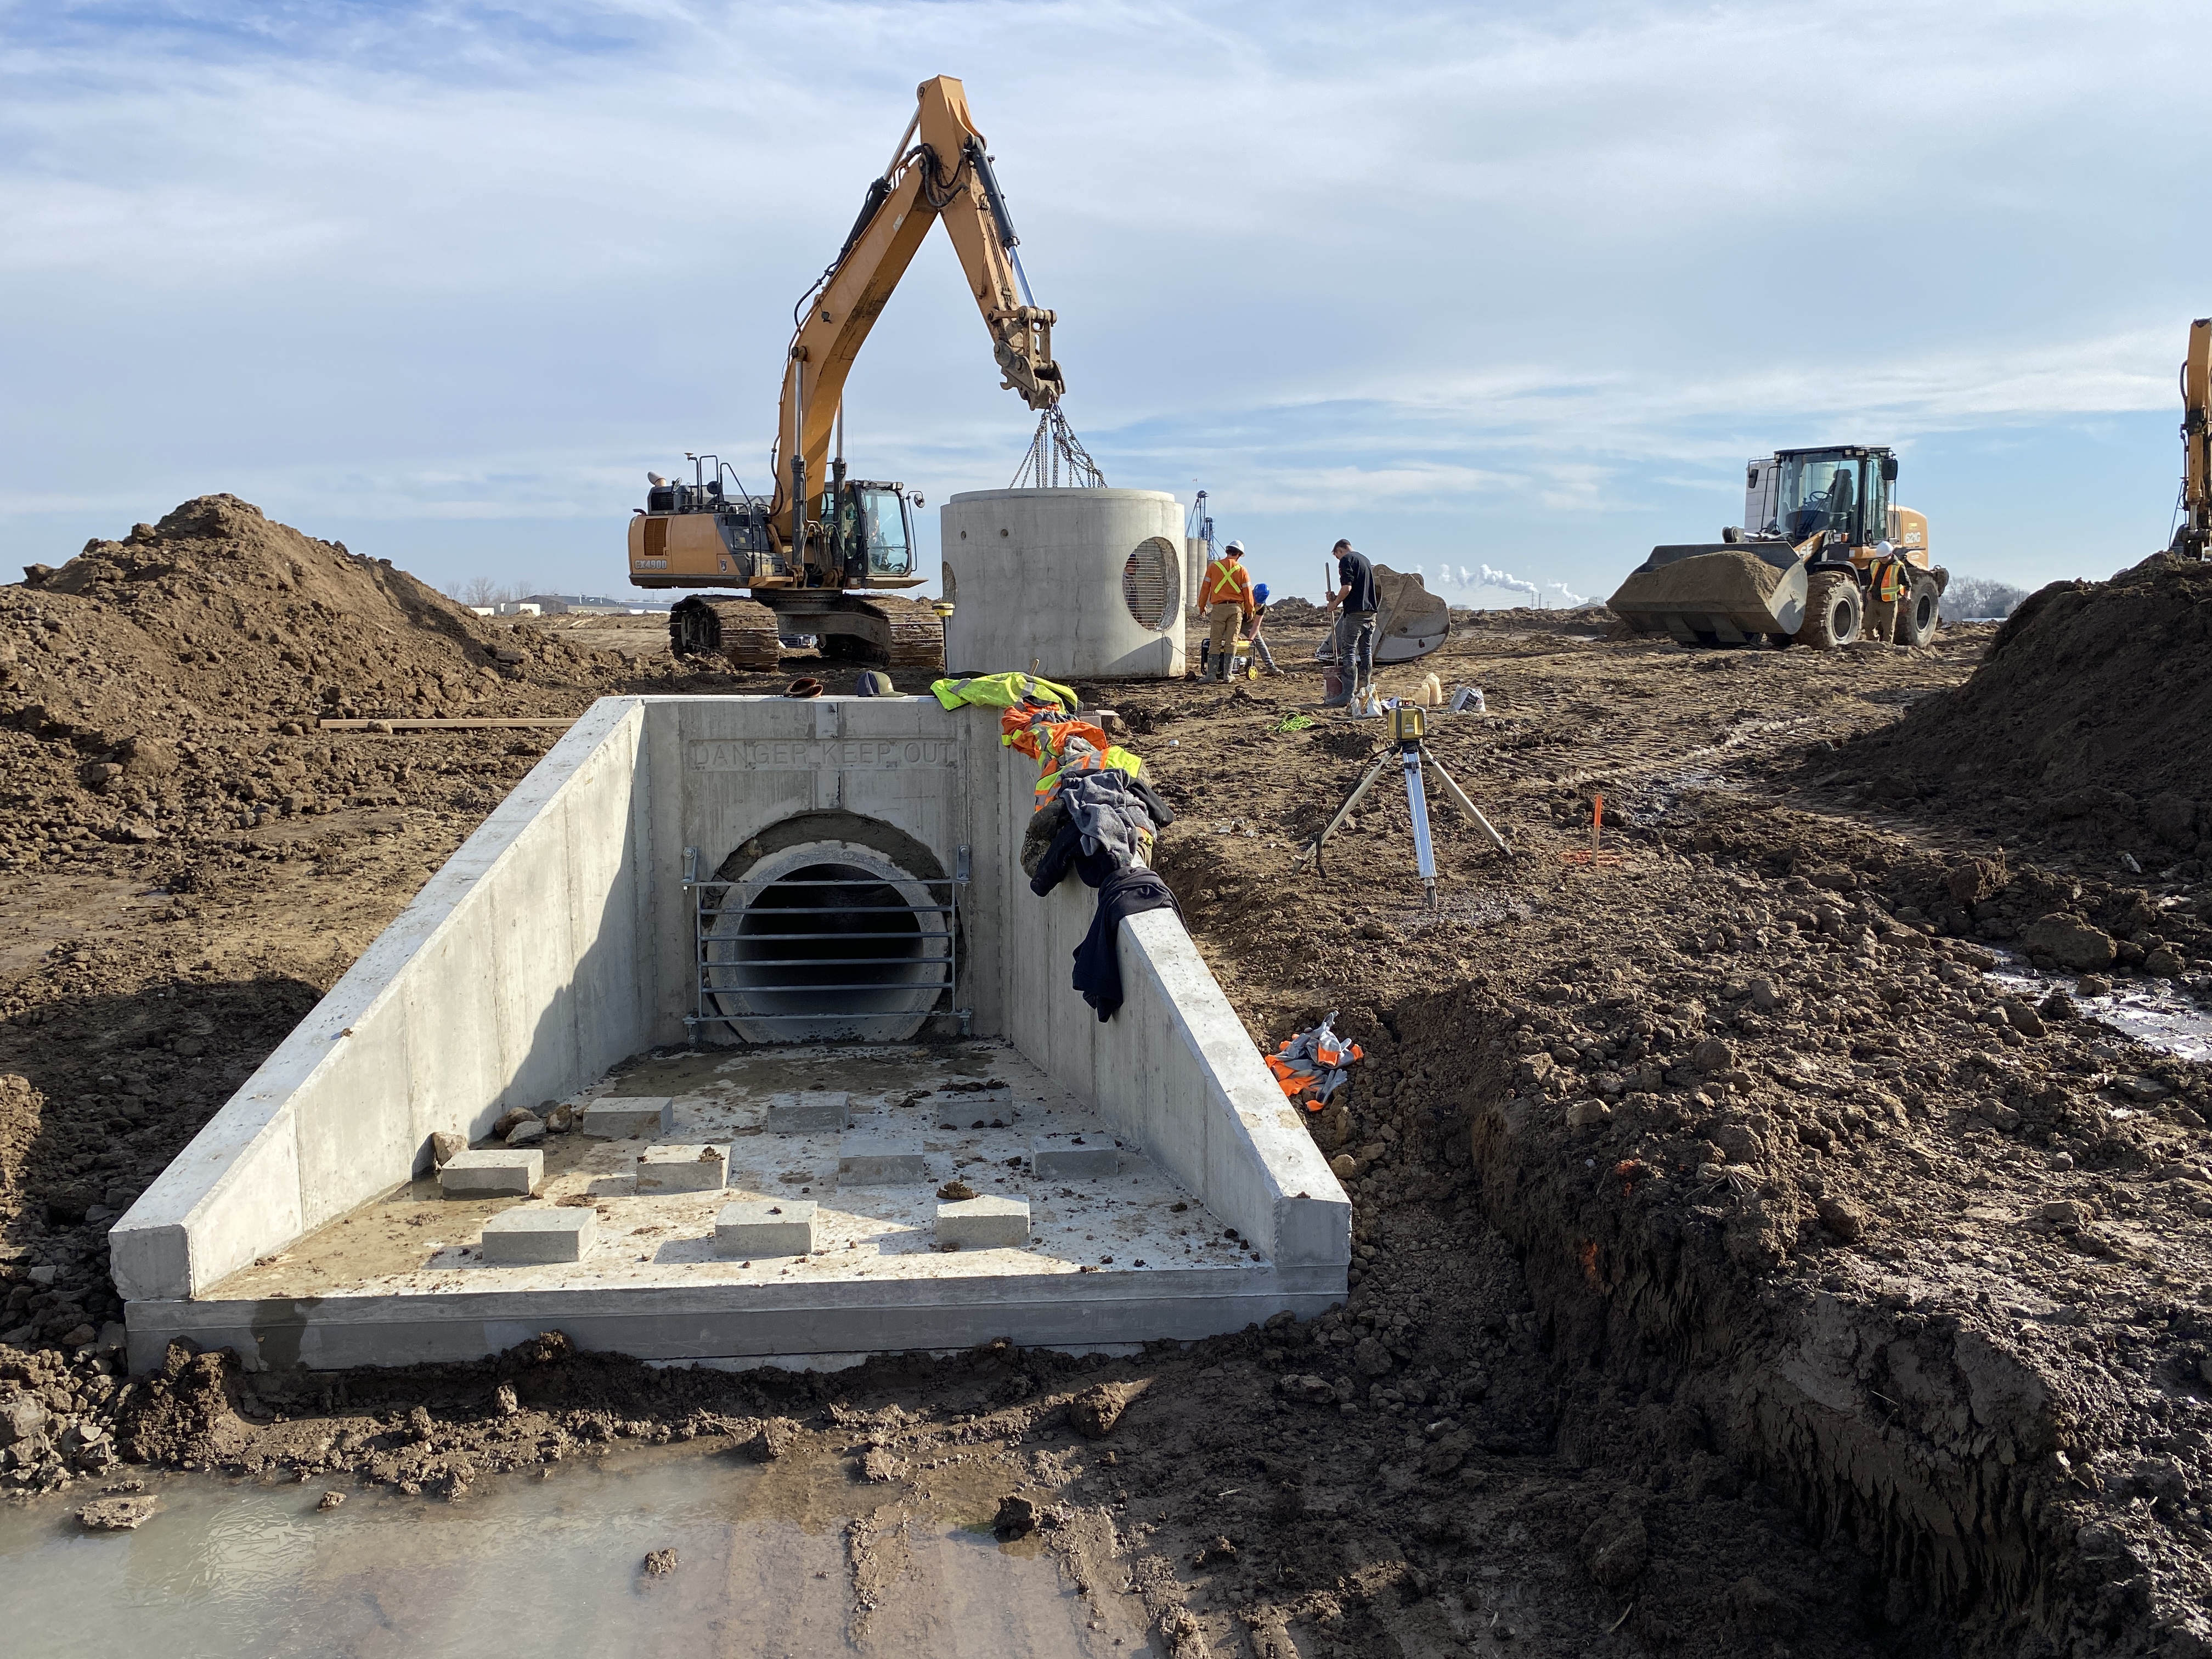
1173 1071
513 973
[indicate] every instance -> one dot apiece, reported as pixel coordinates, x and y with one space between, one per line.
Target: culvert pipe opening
832 940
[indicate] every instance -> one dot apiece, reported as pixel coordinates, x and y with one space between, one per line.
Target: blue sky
1508 284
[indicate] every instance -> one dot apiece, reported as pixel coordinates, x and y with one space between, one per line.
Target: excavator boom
947 175
2194 536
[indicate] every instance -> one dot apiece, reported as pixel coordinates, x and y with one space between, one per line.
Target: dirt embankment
2083 730
1739 1270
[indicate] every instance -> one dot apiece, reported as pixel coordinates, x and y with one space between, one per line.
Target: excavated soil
1724 580
2085 729
1741 1271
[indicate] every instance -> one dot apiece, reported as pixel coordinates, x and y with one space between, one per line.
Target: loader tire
1919 613
1833 610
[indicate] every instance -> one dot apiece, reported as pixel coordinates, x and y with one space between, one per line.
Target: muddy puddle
555 1564
2146 1010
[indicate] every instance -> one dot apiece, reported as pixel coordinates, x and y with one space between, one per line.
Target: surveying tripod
1406 750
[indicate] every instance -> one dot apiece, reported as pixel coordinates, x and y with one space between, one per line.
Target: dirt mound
1726 577
1588 620
1290 611
219 612
130 676
2093 699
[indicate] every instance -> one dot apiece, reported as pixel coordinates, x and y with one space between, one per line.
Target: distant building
562 604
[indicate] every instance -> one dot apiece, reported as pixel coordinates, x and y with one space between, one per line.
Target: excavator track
742 632
916 633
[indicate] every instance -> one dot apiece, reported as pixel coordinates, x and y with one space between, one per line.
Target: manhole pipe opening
828 939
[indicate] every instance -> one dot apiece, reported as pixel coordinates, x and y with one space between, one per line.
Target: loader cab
1840 494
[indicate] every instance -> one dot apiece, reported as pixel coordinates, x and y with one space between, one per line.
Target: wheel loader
1823 557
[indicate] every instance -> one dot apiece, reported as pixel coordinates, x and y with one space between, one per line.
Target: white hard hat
1236 548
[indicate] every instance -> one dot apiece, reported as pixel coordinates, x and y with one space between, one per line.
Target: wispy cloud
1478 276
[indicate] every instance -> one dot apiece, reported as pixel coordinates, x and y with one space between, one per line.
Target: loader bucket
1715 592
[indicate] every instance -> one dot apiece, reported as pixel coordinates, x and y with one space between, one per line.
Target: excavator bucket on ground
1410 622
1716 593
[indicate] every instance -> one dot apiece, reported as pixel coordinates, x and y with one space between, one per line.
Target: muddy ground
1741 1269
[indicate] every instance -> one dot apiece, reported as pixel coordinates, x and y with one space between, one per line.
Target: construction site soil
1741 1269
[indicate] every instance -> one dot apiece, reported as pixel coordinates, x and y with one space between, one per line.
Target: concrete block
879 1161
809 1111
984 1224
528 1234
682 1170
765 1228
493 1173
969 1105
620 1120
1056 1160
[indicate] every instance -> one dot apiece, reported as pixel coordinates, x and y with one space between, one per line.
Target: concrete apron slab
559 940
404 1274
1049 1311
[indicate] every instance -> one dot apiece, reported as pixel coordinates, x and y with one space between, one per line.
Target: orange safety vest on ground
1309 1066
1226 580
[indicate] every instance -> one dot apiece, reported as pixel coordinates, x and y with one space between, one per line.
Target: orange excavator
2192 534
824 552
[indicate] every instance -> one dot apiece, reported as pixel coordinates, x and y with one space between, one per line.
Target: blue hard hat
1260 593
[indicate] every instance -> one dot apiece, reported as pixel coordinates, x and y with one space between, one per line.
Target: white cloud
1476 276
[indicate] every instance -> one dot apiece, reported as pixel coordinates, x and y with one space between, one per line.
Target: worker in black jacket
1354 603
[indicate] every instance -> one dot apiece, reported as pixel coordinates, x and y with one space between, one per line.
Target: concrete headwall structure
1088 584
560 940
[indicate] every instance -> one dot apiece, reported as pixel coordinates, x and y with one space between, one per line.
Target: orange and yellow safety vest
1227 581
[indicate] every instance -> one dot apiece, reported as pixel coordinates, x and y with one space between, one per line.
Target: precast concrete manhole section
803 1074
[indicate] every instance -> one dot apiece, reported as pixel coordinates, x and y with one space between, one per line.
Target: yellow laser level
1406 750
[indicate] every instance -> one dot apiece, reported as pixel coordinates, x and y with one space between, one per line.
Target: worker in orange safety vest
1886 585
1224 600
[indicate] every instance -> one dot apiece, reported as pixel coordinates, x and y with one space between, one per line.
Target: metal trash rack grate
712 952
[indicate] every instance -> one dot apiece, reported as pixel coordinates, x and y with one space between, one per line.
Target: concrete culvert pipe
829 939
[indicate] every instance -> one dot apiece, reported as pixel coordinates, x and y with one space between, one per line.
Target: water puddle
2155 1017
524 1565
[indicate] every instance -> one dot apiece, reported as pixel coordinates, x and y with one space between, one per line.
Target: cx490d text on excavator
1823 558
819 554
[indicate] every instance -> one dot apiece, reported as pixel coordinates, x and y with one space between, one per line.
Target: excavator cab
871 530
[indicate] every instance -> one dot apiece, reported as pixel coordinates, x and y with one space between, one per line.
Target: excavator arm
945 174
2194 537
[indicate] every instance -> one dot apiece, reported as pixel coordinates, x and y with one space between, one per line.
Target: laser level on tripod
1406 748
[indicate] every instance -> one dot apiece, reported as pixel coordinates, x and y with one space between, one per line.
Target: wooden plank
442 725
